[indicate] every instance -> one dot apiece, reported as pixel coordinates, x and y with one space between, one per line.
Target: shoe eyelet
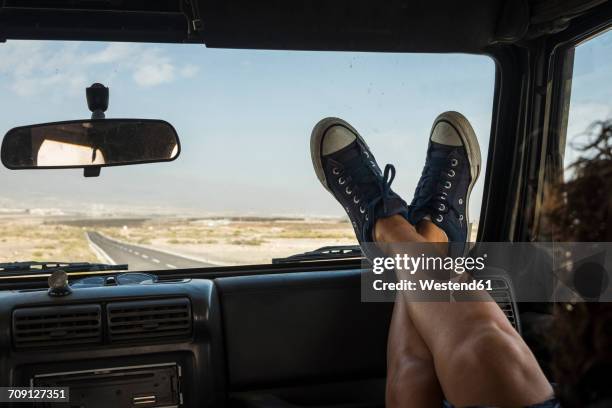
361 209
451 173
461 218
439 218
366 154
454 162
461 201
348 191
341 181
448 185
356 200
441 207
335 171
366 217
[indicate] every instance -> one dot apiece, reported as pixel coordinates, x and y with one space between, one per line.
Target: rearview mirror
89 143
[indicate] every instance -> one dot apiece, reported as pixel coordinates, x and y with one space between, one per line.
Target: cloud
154 74
154 68
115 52
189 71
34 67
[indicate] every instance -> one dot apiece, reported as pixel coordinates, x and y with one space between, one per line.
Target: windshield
243 190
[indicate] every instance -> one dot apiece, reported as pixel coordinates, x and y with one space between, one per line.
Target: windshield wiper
49 267
327 253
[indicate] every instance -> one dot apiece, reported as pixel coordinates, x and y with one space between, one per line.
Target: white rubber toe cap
336 138
445 134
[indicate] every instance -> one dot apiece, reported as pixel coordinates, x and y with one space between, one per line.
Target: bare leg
478 357
411 376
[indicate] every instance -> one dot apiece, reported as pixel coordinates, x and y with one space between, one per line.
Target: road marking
155 260
99 251
103 239
145 256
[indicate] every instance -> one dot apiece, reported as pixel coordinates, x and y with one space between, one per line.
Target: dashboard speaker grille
57 326
149 320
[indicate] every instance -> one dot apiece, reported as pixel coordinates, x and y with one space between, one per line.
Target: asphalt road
140 258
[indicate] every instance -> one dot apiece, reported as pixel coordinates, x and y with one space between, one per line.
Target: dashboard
284 339
135 343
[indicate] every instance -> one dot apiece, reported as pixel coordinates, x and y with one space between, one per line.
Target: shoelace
385 189
363 174
430 194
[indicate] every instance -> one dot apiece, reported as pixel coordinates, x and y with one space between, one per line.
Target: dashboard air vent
57 326
503 297
149 320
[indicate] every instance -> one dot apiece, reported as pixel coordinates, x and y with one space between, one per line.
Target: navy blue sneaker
347 169
451 168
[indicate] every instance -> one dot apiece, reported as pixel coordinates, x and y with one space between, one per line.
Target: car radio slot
156 385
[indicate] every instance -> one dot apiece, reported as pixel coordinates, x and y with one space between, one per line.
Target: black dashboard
117 345
284 339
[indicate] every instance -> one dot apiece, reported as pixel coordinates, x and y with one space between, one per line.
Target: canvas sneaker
348 170
451 168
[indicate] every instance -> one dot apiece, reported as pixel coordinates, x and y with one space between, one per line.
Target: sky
244 118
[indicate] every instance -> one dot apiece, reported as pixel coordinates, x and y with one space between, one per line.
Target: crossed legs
465 352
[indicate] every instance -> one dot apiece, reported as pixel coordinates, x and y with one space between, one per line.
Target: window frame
528 126
561 65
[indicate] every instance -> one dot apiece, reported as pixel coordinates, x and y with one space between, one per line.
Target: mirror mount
97 102
93 171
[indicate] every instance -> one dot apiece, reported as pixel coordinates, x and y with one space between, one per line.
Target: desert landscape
24 238
214 240
221 241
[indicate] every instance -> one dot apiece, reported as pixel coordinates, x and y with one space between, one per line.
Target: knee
494 333
501 368
492 351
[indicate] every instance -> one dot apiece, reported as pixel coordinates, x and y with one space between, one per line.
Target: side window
576 207
591 95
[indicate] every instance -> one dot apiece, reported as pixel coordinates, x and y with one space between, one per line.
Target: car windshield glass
243 190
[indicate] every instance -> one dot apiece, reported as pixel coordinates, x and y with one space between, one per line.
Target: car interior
293 333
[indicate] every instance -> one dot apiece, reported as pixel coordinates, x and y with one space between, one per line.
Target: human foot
451 169
347 169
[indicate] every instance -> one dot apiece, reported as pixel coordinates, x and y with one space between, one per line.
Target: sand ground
222 241
225 241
